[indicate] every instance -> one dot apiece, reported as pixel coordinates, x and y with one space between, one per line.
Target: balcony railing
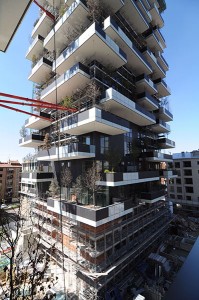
147 95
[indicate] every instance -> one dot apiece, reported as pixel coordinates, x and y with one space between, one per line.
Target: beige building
183 191
10 174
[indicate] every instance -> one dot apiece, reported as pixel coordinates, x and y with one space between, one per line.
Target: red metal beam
34 105
47 12
23 111
53 106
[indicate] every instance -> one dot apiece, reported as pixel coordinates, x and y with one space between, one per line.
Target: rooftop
192 154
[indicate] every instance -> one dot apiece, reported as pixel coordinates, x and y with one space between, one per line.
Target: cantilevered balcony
68 152
144 10
136 60
119 179
153 41
32 140
41 70
94 119
125 108
163 89
37 122
36 47
146 4
158 70
157 156
159 36
65 85
145 84
89 47
36 176
43 26
134 16
94 216
160 127
164 114
77 14
153 196
162 62
157 18
113 6
147 101
165 143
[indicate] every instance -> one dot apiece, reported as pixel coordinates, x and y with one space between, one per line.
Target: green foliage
67 102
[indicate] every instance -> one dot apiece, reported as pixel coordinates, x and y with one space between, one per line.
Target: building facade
105 62
183 191
10 177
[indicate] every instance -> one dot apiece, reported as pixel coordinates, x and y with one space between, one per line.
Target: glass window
188 172
128 142
104 144
189 189
188 181
177 164
179 197
171 188
188 198
86 140
178 180
179 189
186 164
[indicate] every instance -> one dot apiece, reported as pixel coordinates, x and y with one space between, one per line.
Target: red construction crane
42 8
33 103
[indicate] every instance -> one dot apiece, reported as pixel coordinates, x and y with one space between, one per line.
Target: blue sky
181 34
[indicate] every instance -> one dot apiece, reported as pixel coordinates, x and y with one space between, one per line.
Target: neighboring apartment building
183 191
107 63
10 177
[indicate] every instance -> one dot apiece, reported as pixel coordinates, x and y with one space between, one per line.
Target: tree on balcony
54 188
47 142
66 179
78 188
95 10
98 11
71 33
92 176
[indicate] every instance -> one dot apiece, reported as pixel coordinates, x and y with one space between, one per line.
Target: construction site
95 188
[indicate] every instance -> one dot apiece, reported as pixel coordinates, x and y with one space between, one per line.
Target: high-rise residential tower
102 60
